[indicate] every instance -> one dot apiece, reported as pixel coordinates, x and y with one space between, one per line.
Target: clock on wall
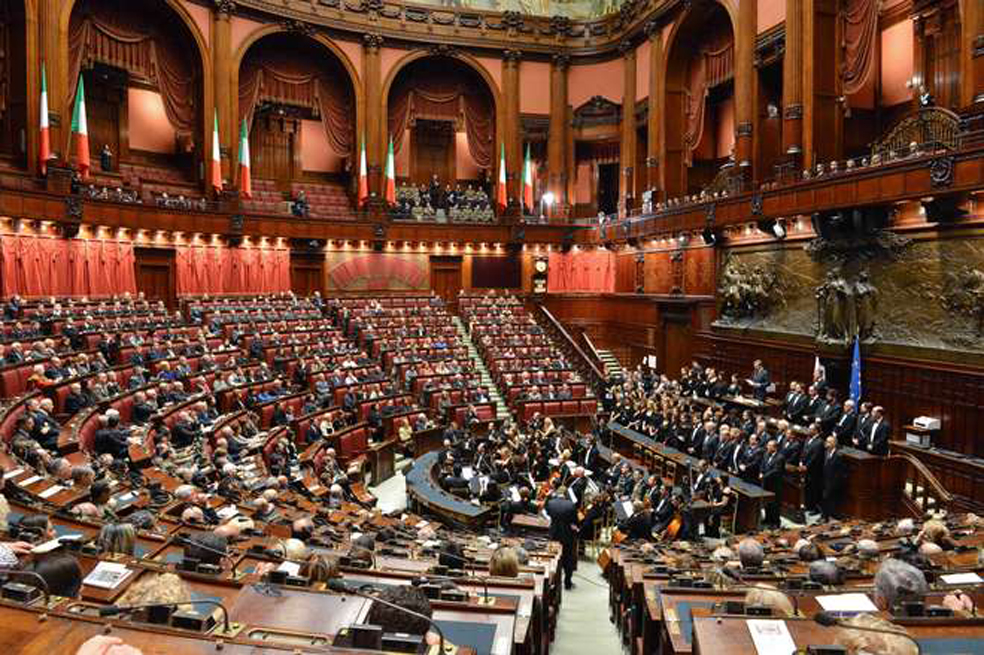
540 275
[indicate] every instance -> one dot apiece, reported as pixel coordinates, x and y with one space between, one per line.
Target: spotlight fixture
773 227
709 237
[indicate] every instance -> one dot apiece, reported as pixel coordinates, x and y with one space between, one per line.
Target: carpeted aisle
583 627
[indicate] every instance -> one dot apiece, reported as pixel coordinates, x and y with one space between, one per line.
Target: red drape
447 93
291 78
217 269
860 34
139 42
40 266
592 271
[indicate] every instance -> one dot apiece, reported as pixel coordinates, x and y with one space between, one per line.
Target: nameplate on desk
26 482
961 578
51 491
12 473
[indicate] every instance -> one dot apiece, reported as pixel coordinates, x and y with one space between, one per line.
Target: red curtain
860 35
40 266
293 78
141 42
587 270
218 270
448 93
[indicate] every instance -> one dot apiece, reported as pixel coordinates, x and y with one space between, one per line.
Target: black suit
75 402
829 417
563 518
710 447
752 459
773 472
844 428
795 408
834 478
812 459
662 514
877 436
639 525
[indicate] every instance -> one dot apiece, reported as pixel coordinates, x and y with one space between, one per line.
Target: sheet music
467 472
514 493
771 636
628 507
572 496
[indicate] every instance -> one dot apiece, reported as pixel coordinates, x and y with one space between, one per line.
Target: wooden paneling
307 273
907 388
445 278
155 273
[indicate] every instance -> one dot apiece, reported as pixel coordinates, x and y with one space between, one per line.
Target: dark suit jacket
834 474
639 525
845 426
709 447
773 470
878 442
563 516
812 456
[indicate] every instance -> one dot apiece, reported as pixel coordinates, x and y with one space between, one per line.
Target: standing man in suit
760 380
589 460
795 403
834 478
751 460
711 442
846 424
830 413
863 426
811 466
878 433
563 528
815 406
773 471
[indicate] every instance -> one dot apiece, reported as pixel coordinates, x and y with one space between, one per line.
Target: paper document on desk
107 575
854 602
291 568
771 637
962 578
12 473
51 491
628 507
27 482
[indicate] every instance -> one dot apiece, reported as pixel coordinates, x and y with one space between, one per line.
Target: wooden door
678 346
155 275
446 279
307 274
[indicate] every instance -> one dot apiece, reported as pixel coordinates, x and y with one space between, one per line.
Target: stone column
222 88
377 125
656 96
512 136
557 143
627 149
745 84
792 82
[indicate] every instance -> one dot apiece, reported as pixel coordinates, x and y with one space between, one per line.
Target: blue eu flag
856 372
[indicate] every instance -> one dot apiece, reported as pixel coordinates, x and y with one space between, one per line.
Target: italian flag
80 131
500 192
245 180
216 157
363 175
390 175
528 180
45 150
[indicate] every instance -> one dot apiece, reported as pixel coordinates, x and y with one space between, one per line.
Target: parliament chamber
491 327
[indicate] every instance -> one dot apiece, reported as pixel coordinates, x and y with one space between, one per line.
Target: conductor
563 528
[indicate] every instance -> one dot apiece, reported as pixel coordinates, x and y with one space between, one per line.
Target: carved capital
295 26
512 20
560 25
224 7
653 29
793 112
626 49
512 56
372 42
561 61
743 129
443 50
756 204
73 209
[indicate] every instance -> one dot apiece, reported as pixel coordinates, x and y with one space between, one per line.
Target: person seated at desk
109 438
397 621
640 524
117 539
61 573
207 548
896 581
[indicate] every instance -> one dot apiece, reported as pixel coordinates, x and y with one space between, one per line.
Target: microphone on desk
829 619
186 541
338 585
42 584
114 610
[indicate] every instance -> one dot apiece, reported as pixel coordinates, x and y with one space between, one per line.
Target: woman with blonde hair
150 589
504 563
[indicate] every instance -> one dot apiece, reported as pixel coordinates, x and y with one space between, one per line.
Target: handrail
591 347
560 328
943 496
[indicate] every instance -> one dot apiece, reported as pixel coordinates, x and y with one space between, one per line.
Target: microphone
42 583
829 619
114 610
338 585
185 541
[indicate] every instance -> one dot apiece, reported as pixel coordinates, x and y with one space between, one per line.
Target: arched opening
144 92
441 118
700 100
299 102
13 85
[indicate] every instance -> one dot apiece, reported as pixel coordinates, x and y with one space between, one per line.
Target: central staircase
502 410
613 367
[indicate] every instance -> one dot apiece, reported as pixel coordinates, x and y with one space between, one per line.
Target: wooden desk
725 635
382 460
960 474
